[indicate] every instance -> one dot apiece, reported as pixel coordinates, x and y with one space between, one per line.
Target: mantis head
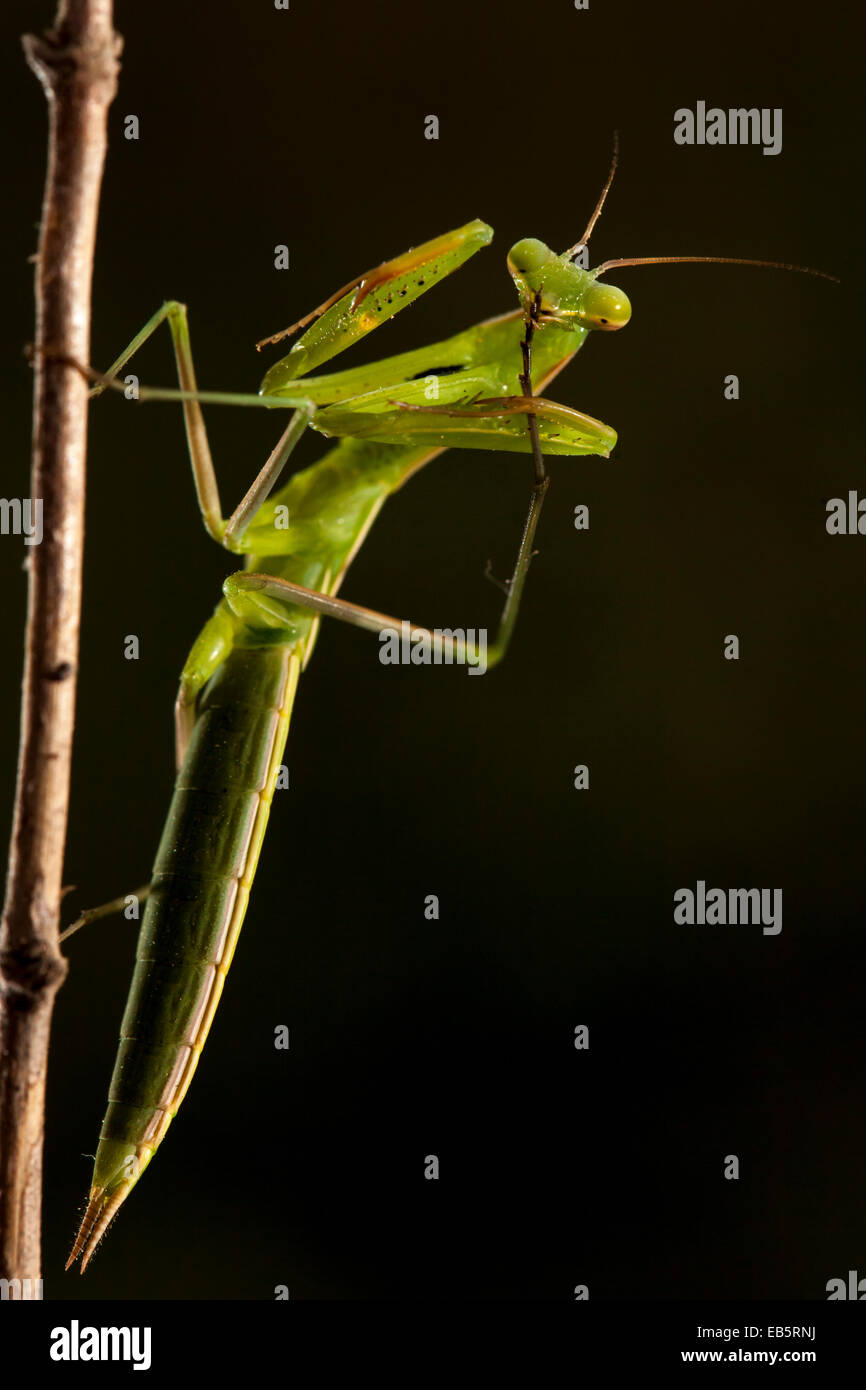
572 297
566 293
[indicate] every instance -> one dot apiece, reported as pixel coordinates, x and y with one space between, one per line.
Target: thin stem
77 63
514 588
521 569
526 384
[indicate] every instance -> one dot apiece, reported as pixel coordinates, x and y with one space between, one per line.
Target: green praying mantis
477 389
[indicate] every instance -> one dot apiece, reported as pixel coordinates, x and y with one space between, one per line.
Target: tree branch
77 64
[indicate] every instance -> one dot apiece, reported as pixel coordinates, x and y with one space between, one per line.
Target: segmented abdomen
200 888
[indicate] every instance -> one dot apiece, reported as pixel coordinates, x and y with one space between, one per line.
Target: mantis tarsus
238 684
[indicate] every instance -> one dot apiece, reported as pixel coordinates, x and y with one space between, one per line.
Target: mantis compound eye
605 307
526 258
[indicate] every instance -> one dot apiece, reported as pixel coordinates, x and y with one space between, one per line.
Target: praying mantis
476 389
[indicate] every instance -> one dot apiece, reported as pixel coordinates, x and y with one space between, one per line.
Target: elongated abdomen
201 880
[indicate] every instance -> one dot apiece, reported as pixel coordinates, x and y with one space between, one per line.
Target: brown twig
77 64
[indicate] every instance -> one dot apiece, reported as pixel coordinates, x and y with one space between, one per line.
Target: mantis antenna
715 260
579 245
674 260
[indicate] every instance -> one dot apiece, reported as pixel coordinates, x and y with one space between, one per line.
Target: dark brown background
455 1038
